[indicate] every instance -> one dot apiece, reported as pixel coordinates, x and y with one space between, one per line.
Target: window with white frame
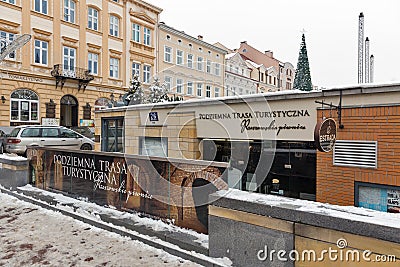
93 19
9 1
114 67
136 32
208 68
190 88
179 57
190 61
114 26
41 52
208 91
69 58
146 36
135 69
168 54
69 11
216 92
6 37
24 106
179 86
93 63
168 83
217 69
199 89
41 6
199 63
146 73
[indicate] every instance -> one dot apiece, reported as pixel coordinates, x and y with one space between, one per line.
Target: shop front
268 143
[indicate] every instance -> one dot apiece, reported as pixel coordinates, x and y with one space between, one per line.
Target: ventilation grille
355 153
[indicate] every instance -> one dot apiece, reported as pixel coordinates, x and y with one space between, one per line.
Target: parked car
4 132
46 136
84 130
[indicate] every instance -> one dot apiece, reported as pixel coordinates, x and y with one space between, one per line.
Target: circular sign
325 135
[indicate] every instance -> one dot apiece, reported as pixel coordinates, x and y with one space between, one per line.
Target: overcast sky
331 31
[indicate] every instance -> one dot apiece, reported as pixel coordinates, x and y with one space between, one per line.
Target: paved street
32 236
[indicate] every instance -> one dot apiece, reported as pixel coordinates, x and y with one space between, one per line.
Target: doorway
68 111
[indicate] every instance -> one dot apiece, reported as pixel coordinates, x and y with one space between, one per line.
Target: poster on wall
377 198
174 191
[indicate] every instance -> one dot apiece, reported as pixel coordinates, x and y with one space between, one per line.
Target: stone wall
264 230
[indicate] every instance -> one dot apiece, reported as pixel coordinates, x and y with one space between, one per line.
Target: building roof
182 34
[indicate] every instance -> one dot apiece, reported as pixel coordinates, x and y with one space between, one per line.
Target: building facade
81 55
270 140
189 66
238 79
270 73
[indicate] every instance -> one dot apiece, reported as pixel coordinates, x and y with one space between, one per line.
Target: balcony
63 72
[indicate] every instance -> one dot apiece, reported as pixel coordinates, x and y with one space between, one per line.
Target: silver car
46 136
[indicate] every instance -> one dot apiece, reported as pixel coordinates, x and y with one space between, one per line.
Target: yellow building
81 55
189 66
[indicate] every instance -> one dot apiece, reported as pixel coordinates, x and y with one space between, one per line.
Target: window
31 132
69 58
93 19
216 92
146 36
9 1
93 63
199 89
69 11
116 1
208 91
200 63
190 61
114 26
168 83
41 6
24 106
208 68
153 146
167 54
179 86
179 57
190 88
136 32
217 69
136 69
146 73
50 132
41 52
114 68
5 39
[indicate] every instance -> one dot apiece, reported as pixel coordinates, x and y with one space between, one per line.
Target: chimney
269 53
200 37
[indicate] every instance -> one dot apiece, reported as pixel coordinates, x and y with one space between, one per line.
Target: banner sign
272 120
177 191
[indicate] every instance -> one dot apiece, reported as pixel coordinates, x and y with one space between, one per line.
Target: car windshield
14 132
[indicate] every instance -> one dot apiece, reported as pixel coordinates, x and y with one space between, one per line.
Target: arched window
101 103
24 106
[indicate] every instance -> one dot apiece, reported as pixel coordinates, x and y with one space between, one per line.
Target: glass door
112 135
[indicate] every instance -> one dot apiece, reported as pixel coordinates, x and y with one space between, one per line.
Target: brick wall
335 184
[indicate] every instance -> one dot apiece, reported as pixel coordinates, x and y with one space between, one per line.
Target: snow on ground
90 210
33 236
12 157
345 212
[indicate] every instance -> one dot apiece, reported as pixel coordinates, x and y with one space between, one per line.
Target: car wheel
86 147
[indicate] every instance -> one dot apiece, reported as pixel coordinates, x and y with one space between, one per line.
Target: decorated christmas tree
157 92
302 79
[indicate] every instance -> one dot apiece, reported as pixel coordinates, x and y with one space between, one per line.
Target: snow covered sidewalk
33 236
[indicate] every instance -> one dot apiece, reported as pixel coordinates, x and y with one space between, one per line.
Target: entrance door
69 111
112 135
